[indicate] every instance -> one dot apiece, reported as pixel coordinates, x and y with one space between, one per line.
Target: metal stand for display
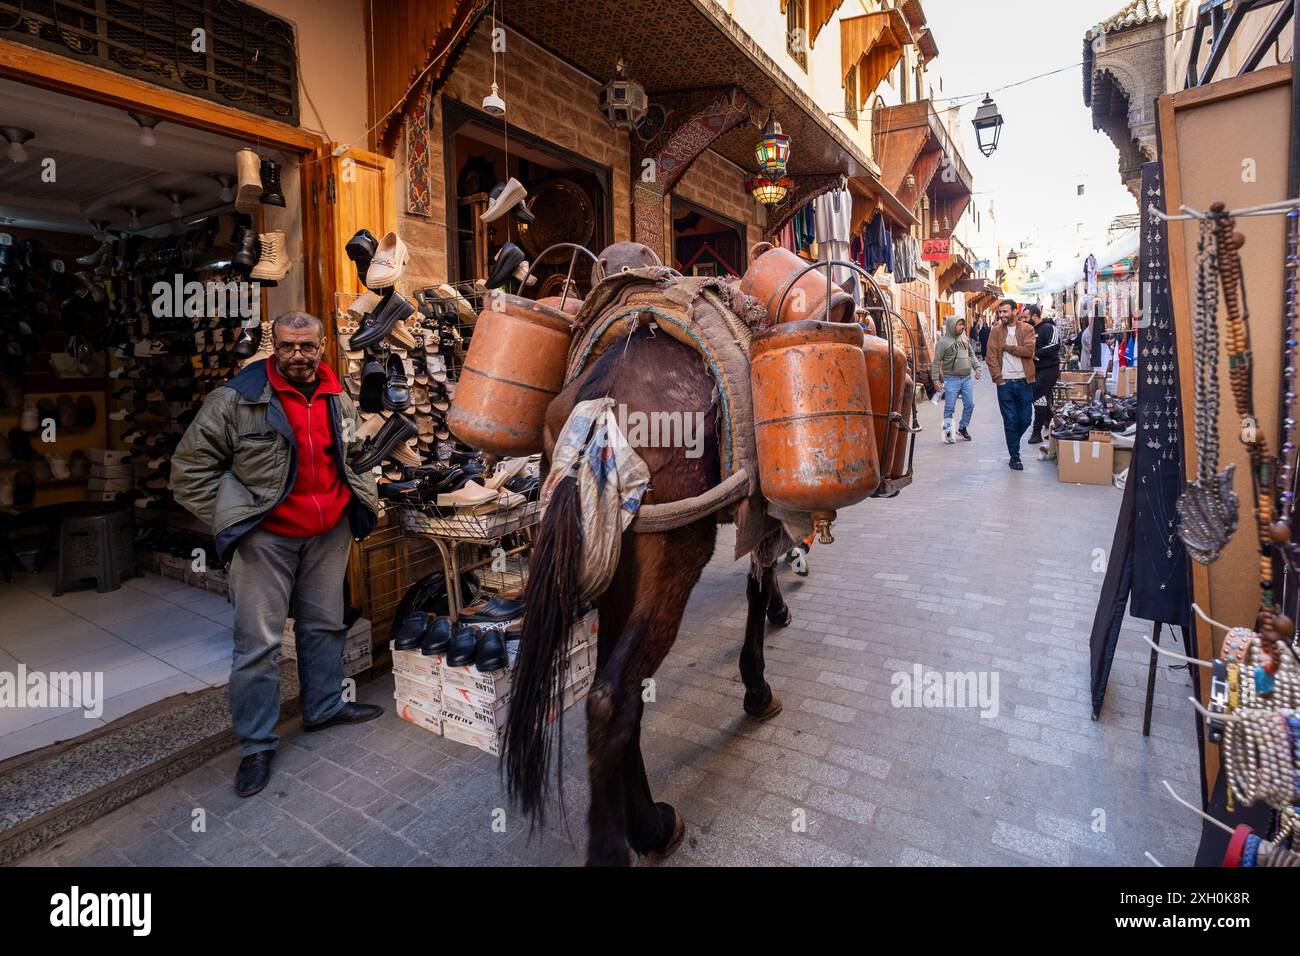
503 569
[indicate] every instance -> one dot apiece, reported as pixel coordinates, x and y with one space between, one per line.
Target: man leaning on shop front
265 465
1010 359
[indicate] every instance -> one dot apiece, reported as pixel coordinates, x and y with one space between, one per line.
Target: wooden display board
1229 142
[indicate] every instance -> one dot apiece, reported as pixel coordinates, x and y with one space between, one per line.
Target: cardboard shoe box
1088 462
430 720
423 694
1080 386
1127 383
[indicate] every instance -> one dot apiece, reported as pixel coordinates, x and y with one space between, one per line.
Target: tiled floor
973 568
151 639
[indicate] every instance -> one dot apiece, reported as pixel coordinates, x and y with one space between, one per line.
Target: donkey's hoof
780 617
764 711
674 838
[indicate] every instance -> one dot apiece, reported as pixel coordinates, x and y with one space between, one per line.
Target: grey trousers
267 572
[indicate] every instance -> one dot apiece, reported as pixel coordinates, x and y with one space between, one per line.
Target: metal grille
246 59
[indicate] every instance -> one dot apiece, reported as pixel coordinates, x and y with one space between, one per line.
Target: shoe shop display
462 646
490 650
250 339
248 168
398 429
272 195
361 250
411 634
437 636
509 263
506 198
397 393
387 263
274 263
393 308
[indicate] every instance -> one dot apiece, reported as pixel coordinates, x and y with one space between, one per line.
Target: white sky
1048 146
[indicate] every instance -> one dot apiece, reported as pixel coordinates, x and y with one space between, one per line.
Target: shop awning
819 14
697 47
912 140
874 43
870 197
1124 267
975 287
925 41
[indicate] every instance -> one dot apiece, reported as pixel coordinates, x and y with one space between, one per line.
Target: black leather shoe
409 636
490 654
1015 465
965 435
397 429
437 636
360 249
250 339
374 377
253 773
349 714
407 491
497 608
463 647
397 393
508 259
393 308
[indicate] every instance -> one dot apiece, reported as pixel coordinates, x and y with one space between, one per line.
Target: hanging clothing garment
832 215
879 249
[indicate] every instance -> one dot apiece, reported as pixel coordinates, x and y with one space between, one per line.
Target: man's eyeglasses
287 349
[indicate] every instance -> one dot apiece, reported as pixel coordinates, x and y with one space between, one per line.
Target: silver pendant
1209 516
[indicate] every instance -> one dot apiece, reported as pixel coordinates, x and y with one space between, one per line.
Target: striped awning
874 43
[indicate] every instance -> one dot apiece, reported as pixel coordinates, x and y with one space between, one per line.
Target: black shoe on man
1015 465
349 714
965 435
253 773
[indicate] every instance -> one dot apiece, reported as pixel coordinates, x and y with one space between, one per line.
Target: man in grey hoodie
956 366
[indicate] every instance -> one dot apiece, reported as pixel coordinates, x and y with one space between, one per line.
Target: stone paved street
973 568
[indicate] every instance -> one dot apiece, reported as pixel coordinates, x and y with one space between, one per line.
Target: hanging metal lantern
773 150
623 102
988 126
769 192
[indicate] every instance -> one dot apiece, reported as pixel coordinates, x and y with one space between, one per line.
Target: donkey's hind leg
644 606
760 586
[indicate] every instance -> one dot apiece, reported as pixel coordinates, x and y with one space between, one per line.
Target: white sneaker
949 437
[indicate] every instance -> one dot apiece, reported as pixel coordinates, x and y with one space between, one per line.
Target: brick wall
558 104
716 184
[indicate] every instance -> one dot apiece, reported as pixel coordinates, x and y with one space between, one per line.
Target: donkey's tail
550 598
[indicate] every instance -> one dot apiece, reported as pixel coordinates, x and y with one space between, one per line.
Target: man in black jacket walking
1047 368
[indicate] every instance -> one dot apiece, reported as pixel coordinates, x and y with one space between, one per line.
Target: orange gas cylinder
812 418
900 433
771 272
514 367
571 305
879 370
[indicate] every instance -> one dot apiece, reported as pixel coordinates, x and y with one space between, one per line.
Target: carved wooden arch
708 114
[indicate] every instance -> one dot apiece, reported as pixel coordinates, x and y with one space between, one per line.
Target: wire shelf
470 527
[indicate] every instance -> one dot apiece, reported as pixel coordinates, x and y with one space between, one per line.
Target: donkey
640 611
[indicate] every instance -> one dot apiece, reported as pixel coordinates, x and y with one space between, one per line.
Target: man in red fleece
265 464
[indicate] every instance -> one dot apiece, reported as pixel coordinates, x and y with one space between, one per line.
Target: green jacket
954 356
237 460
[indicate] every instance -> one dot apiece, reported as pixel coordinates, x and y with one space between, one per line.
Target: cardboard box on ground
356 649
1089 462
470 707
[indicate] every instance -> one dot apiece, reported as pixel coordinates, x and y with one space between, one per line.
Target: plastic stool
95 541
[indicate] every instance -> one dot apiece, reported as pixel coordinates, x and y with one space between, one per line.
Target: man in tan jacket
1010 358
